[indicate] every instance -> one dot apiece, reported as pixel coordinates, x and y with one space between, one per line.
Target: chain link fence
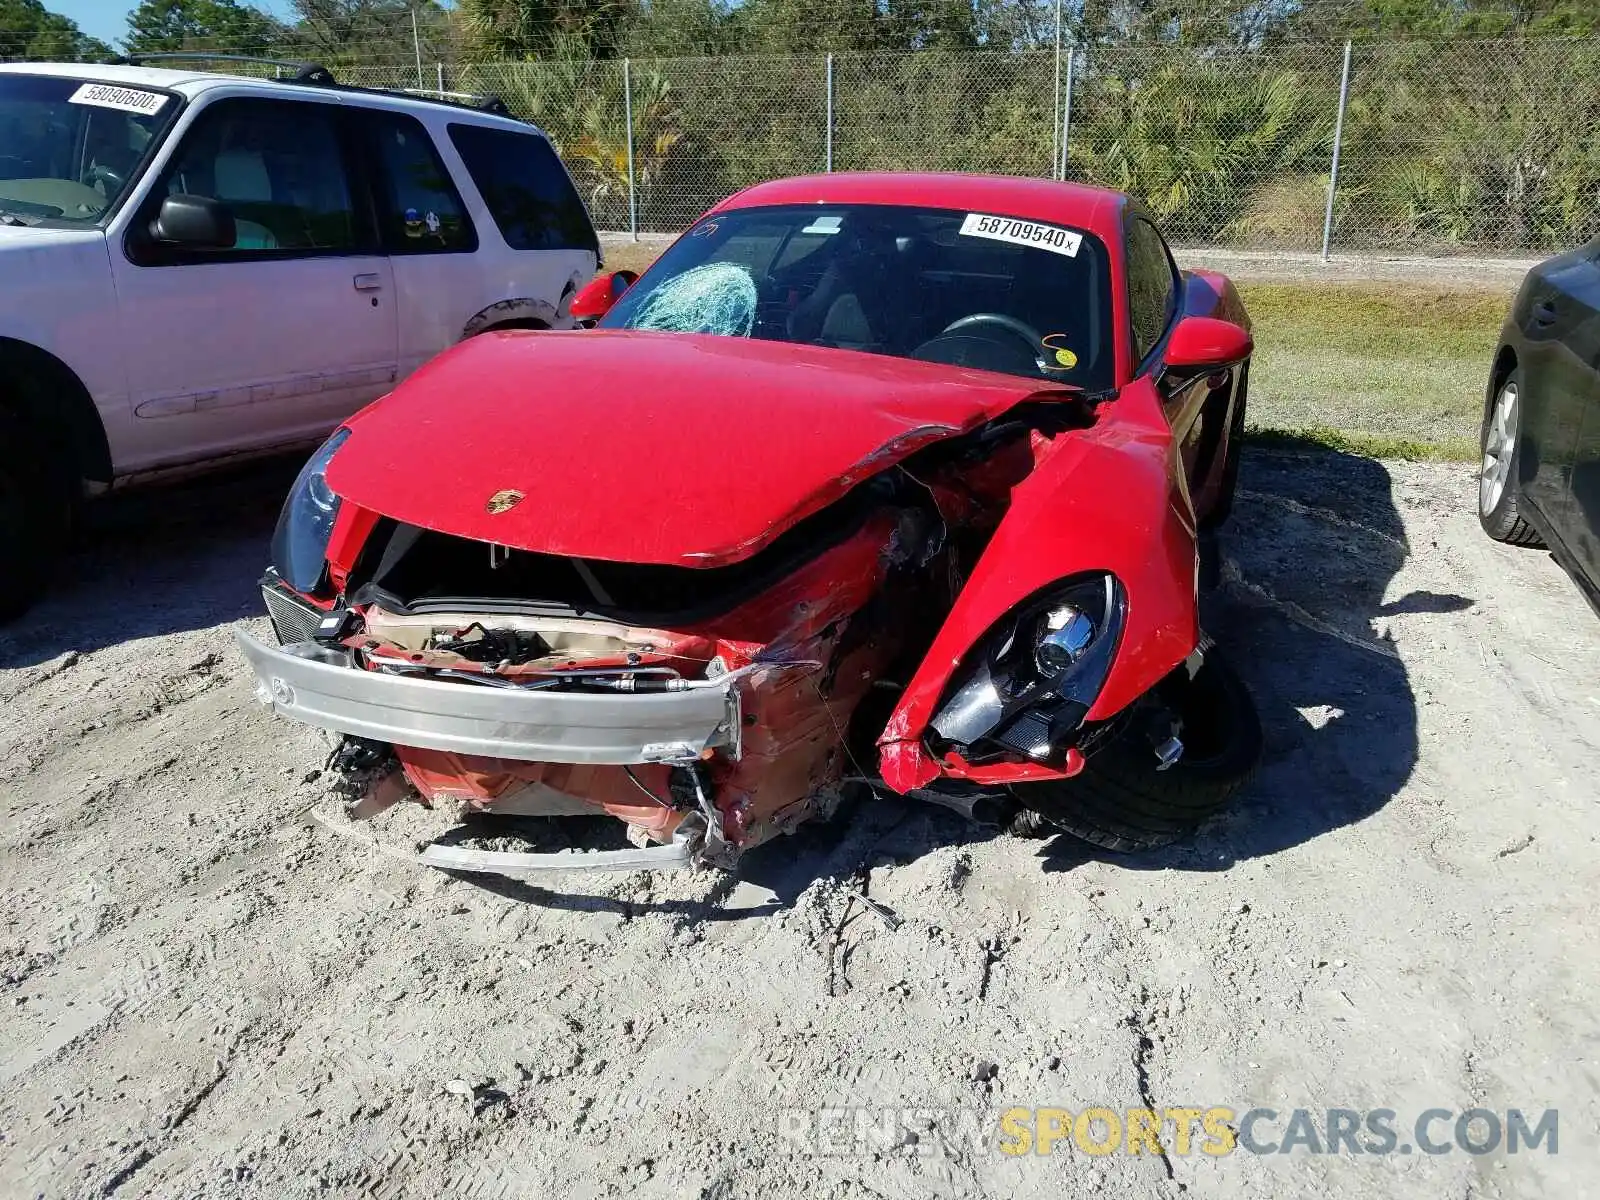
1485 147
1475 146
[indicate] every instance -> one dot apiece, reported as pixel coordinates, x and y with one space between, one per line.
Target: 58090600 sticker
1023 233
124 99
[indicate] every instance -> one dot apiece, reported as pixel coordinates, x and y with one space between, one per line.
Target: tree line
501 30
1469 123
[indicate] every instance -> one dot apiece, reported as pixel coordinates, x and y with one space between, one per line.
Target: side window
279 168
1152 286
526 189
419 208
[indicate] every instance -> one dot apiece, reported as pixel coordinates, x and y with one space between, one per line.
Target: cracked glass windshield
966 289
69 148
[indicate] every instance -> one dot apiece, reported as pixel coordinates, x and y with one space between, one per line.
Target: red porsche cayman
892 482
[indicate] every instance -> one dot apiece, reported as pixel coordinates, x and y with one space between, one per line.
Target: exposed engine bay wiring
611 679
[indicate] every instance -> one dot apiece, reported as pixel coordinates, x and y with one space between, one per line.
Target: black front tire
1503 521
35 516
1121 802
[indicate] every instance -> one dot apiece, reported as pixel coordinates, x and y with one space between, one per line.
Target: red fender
1108 498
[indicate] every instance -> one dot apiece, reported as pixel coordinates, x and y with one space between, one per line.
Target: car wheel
1123 801
1498 497
34 517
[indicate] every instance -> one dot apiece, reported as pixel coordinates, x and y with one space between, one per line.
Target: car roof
190 83
158 77
1097 210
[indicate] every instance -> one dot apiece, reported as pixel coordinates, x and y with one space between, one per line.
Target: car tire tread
1504 523
35 515
1121 802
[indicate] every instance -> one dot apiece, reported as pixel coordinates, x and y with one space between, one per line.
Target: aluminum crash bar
323 686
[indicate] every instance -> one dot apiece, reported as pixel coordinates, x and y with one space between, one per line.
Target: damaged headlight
1031 682
300 541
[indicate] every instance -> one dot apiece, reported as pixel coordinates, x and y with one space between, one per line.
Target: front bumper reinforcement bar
322 686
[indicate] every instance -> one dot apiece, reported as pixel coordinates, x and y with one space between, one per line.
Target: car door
1153 282
1555 314
539 244
1582 528
440 277
278 337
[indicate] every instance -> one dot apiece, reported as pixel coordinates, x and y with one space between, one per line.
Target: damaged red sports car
883 482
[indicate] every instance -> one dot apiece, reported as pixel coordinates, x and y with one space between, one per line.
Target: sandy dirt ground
205 993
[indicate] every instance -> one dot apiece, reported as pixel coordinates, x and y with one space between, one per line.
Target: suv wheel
35 511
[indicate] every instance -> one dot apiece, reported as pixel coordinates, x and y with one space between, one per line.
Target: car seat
854 302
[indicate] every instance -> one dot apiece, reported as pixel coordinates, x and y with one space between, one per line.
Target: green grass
1388 370
631 256
1368 445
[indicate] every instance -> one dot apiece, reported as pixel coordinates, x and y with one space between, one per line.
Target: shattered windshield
971 289
69 149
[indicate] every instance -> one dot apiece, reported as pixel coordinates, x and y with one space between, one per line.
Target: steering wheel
1011 325
103 174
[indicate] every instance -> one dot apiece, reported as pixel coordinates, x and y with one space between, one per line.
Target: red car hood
647 447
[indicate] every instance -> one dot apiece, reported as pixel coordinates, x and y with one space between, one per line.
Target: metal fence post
416 44
827 152
439 71
1066 112
1055 112
627 105
1338 137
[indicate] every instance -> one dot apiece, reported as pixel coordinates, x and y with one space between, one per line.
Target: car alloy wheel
1499 449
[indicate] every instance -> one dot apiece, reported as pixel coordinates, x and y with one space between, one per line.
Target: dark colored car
1540 481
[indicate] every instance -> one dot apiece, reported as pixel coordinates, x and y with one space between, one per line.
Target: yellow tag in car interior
1065 358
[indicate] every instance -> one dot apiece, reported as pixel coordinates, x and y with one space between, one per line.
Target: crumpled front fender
1109 498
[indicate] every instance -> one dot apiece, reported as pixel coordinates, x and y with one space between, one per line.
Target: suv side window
1152 286
419 209
279 167
526 189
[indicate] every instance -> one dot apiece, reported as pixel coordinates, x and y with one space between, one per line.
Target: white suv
195 266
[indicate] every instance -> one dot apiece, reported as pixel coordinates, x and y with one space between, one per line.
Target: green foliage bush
1480 144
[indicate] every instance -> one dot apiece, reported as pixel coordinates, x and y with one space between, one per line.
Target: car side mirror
595 298
196 222
1203 343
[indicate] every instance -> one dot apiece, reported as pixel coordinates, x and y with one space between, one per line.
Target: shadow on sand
158 560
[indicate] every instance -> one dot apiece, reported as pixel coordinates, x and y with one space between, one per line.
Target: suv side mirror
197 222
595 298
1201 343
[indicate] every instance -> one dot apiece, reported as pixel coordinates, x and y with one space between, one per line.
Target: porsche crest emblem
504 501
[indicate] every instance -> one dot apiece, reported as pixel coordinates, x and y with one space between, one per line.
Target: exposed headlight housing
1066 636
1034 678
300 542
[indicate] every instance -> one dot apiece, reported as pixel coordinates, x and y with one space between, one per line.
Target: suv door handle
369 282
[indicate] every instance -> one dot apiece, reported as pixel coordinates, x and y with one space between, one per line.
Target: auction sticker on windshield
1022 233
105 95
